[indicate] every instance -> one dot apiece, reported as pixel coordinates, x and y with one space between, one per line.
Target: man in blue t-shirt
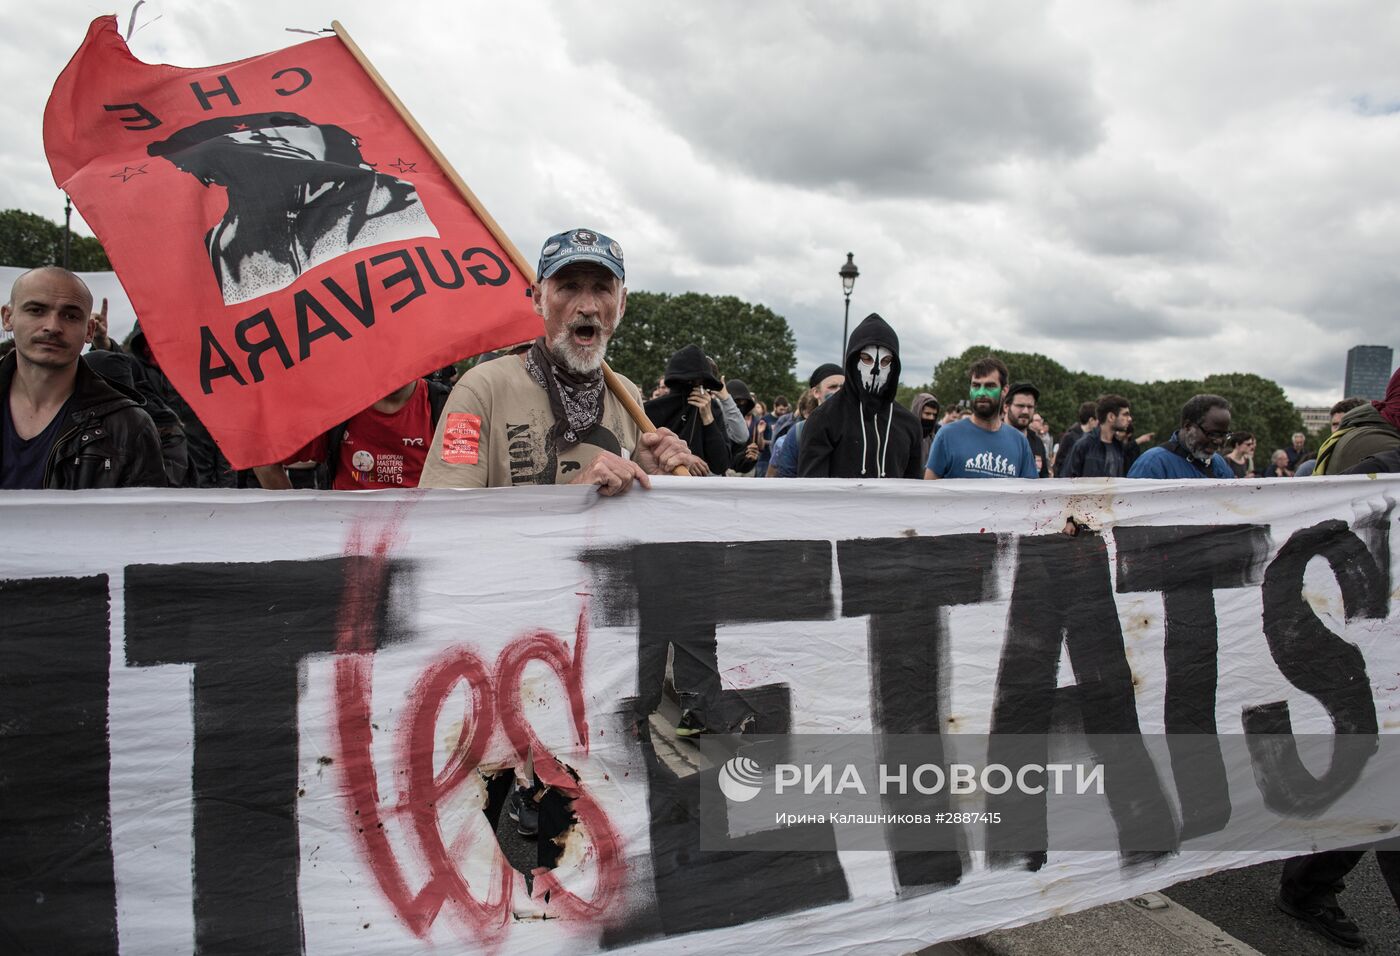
982 446
1191 451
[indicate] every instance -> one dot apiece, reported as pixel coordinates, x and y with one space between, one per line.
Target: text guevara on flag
291 249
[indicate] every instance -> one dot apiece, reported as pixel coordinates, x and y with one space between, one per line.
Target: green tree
1258 404
28 241
747 341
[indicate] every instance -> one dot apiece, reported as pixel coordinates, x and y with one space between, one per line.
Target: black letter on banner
254 350
363 310
409 273
225 88
1063 595
676 594
208 345
478 272
57 889
305 80
906 586
1188 564
305 304
1319 663
458 280
141 119
245 628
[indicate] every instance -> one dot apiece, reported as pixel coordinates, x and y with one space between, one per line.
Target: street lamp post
67 226
848 275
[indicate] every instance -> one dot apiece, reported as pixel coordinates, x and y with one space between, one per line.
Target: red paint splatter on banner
603 840
494 698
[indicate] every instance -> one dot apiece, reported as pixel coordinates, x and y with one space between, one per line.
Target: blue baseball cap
579 245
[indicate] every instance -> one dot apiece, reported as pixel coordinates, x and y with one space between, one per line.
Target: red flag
292 251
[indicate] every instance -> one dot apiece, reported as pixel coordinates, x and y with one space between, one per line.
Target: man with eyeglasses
1020 409
1192 451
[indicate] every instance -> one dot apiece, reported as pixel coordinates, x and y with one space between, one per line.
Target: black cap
825 371
1023 387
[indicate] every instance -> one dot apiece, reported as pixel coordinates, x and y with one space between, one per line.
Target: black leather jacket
108 440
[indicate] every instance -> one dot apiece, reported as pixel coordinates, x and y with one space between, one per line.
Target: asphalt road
1241 902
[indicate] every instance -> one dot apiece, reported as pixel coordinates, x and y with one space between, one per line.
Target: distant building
1316 419
1368 371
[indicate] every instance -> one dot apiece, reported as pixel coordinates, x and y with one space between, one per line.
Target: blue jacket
1170 461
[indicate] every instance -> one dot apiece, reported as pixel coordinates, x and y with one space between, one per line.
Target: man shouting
543 416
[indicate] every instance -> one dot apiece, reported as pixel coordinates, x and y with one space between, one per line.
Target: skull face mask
873 367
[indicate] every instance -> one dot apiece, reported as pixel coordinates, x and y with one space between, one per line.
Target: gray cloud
1135 212
1079 308
1213 186
899 99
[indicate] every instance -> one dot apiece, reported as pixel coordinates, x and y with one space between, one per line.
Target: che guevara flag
292 251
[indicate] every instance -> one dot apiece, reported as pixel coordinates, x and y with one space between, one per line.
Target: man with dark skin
1191 452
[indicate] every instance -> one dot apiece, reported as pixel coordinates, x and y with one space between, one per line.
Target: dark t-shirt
1113 459
22 462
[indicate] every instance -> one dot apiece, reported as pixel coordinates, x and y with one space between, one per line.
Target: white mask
873 366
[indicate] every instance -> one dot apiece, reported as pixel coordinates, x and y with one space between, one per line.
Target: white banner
246 722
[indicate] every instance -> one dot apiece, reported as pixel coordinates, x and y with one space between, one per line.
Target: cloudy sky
1140 189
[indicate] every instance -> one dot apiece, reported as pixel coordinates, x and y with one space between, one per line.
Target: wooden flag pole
522 264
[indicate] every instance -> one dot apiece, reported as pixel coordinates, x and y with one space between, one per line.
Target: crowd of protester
542 414
846 424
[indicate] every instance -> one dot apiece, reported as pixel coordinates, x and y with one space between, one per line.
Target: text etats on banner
291 249
291 724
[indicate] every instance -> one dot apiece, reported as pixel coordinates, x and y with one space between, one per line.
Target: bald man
61 424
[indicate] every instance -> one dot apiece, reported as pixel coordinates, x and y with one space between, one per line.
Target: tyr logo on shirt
461 439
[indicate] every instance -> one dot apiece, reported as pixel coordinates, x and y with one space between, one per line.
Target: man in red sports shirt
383 446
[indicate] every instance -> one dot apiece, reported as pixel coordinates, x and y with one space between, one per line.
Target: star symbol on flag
129 171
240 127
403 167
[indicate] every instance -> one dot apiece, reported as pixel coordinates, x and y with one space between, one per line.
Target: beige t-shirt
494 432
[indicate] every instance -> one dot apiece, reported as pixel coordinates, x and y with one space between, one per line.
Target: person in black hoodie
690 412
861 432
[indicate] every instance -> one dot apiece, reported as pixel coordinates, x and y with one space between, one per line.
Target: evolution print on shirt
989 465
299 194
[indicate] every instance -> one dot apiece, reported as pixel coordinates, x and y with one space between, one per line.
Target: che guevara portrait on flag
299 194
295 248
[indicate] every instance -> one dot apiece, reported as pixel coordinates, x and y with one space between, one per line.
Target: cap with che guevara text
579 245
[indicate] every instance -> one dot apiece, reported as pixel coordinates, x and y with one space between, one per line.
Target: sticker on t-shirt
461 439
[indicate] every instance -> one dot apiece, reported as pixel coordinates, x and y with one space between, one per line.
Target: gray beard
1195 453
563 351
